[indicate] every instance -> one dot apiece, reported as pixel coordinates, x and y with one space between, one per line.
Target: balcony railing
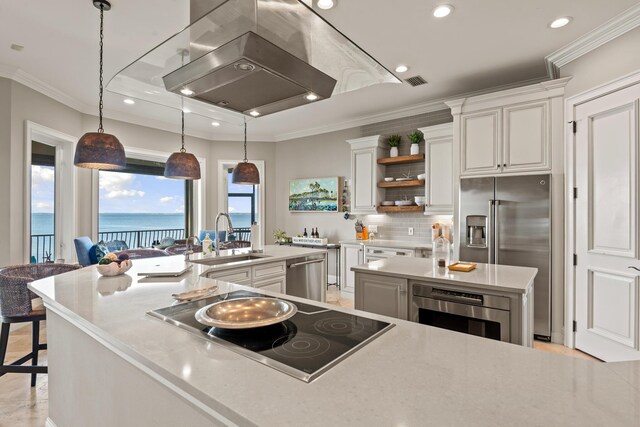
141 238
42 245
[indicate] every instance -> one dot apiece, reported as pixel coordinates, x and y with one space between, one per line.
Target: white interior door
607 289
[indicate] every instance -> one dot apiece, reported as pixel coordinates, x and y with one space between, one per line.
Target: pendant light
182 165
99 150
245 173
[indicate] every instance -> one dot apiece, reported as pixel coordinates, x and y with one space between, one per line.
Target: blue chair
83 247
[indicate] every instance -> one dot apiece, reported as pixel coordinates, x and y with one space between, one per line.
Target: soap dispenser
207 245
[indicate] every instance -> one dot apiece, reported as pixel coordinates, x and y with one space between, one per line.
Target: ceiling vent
416 81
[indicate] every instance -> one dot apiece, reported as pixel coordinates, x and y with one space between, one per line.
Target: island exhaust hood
251 75
255 57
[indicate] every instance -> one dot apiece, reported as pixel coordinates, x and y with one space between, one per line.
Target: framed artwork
314 195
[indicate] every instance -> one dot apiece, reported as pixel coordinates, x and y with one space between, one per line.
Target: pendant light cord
100 129
245 141
182 150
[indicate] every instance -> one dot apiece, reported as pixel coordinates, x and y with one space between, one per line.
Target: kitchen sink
228 259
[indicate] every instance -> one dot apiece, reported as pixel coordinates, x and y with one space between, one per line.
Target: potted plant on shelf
416 137
394 142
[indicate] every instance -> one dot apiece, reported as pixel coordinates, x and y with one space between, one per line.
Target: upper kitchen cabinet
510 131
365 173
439 185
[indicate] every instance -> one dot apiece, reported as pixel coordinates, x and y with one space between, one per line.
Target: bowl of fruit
114 265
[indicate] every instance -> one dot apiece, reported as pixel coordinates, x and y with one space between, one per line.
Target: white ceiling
482 44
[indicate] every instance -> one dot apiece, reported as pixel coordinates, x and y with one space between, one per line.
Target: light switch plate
410 231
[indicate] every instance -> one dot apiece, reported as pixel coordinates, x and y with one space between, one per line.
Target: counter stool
15 307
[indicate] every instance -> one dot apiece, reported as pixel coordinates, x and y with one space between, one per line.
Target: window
242 203
43 202
139 206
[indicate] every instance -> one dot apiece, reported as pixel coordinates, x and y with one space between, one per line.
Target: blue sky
42 189
132 193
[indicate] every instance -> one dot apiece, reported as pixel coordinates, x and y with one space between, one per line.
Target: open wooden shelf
398 209
400 160
402 184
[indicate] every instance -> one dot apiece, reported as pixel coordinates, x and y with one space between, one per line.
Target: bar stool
15 307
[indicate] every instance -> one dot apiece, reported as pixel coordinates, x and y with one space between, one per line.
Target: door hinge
575 326
574 125
575 259
575 192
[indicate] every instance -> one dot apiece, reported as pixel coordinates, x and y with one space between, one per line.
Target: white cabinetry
365 174
350 256
270 276
509 131
440 183
384 295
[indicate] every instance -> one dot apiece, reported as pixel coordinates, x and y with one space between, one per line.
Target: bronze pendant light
99 150
182 165
245 173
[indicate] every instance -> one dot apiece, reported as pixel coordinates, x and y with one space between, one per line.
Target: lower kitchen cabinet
351 255
276 284
384 295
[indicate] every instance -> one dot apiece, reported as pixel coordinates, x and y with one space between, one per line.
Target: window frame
198 209
65 228
223 185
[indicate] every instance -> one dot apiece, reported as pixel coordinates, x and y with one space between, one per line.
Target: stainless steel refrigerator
507 220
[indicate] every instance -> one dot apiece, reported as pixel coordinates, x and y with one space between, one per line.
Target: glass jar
441 251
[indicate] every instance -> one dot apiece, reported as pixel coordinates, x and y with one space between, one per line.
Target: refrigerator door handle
496 231
490 250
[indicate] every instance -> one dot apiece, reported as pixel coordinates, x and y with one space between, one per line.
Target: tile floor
21 405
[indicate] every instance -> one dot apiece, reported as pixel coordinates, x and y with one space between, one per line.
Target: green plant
394 140
279 235
416 137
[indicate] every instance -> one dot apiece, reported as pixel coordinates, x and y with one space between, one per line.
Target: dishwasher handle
298 264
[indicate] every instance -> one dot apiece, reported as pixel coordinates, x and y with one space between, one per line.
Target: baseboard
49 423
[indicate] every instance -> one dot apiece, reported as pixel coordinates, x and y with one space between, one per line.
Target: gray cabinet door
382 295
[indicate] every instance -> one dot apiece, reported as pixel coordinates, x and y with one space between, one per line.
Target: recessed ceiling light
442 10
254 113
216 124
401 69
17 47
560 22
186 91
186 110
311 97
129 101
325 4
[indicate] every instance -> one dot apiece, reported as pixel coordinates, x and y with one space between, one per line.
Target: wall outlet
410 231
373 228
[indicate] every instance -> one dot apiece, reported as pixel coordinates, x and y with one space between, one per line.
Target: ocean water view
42 223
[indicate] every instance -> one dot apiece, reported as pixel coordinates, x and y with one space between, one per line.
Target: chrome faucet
229 231
189 243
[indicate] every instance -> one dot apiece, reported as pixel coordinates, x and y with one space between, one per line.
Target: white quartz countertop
271 253
485 276
400 244
412 375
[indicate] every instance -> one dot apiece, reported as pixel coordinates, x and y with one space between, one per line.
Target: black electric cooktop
304 346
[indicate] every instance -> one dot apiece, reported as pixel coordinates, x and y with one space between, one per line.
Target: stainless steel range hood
250 75
245 55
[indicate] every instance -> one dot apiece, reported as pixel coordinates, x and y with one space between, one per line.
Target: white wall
5 163
612 60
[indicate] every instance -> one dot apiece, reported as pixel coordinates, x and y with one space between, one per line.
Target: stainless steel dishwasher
306 277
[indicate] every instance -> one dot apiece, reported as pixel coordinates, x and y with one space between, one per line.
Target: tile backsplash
396 226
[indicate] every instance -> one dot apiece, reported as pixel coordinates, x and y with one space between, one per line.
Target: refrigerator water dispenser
477 231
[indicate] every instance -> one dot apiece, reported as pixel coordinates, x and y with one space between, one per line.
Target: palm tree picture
314 195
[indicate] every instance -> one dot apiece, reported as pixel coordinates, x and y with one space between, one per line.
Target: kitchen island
491 300
113 365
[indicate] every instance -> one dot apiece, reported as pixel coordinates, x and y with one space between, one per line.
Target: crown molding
26 79
615 27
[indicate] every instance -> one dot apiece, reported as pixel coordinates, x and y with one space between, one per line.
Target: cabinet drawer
276 284
387 252
235 276
266 270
